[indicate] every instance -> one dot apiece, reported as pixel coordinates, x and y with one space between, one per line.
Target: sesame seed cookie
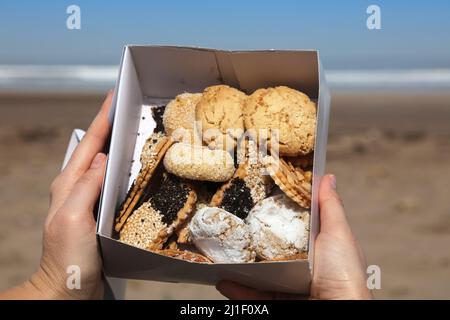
143 227
199 163
179 118
249 185
284 109
220 114
152 153
162 210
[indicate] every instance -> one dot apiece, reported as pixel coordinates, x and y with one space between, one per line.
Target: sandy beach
389 151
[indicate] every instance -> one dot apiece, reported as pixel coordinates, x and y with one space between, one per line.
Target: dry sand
390 152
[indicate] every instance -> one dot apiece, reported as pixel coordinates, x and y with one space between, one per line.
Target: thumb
332 215
86 190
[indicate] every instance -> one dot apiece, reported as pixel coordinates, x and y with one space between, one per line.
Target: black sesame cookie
166 207
152 153
248 186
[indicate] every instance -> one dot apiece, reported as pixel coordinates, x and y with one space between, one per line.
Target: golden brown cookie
184 255
179 118
294 181
152 153
220 114
289 111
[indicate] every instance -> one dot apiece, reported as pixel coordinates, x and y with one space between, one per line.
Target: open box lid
156 74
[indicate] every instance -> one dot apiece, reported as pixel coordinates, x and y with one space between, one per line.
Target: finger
332 214
92 143
82 199
235 291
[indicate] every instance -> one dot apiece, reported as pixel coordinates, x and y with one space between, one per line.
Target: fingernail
98 161
333 181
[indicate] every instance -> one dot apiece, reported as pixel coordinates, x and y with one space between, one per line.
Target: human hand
339 264
69 232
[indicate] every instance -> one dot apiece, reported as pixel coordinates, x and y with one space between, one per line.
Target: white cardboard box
152 75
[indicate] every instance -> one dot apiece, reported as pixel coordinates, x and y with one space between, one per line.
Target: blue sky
414 34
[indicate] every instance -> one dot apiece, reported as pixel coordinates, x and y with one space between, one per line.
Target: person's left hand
69 242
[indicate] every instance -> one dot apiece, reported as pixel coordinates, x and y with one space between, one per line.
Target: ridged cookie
152 153
295 182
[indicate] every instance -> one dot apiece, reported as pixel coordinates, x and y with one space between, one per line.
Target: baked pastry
152 153
179 118
220 115
289 111
249 185
279 228
294 181
221 236
304 161
143 227
204 191
184 255
161 212
199 163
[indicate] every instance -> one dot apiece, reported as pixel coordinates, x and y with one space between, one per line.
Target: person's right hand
339 264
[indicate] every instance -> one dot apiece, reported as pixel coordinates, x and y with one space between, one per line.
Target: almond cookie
279 229
289 111
249 185
179 118
161 211
196 162
221 236
220 115
295 182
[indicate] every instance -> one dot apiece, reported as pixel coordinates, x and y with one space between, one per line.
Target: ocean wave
100 78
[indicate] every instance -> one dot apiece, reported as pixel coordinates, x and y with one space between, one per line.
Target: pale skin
69 236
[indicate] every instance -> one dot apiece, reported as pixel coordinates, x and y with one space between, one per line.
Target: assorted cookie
220 115
179 118
294 181
199 163
152 154
205 191
249 185
290 112
279 228
221 236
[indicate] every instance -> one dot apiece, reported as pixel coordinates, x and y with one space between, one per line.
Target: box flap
165 71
